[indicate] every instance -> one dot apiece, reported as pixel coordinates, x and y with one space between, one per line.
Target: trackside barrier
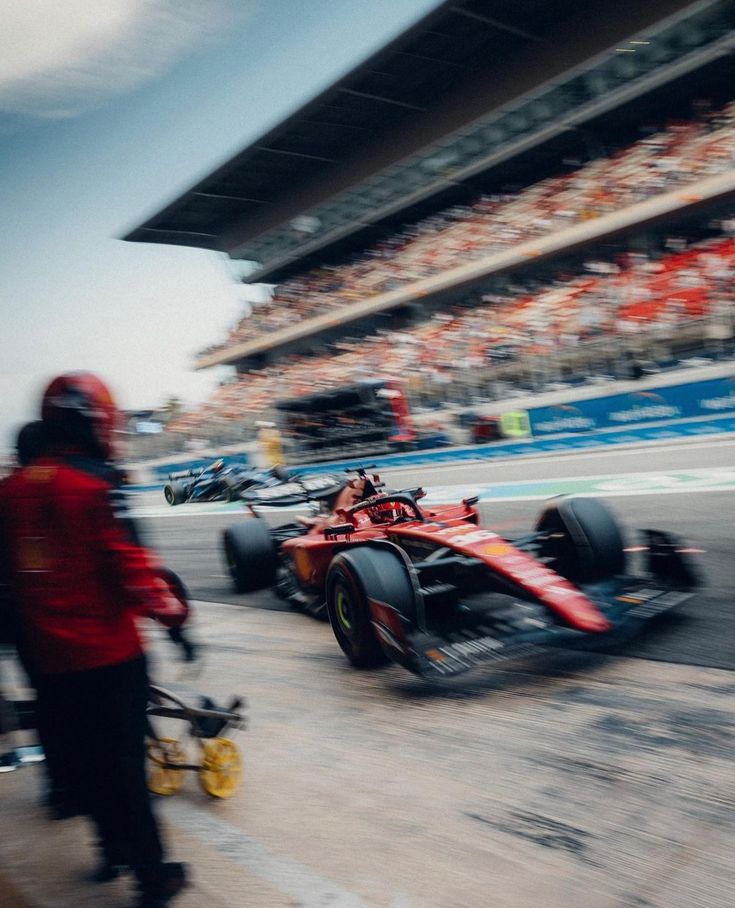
692 428
687 409
558 443
663 404
697 408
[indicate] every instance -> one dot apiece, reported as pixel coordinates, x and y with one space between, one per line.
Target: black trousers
97 721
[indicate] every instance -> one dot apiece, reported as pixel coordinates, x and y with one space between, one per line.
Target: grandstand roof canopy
444 56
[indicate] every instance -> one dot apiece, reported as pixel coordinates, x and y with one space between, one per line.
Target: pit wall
657 408
654 409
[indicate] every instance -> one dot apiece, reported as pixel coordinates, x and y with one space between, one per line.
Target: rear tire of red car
583 539
250 555
354 577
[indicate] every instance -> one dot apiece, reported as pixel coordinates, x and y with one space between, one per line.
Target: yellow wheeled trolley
220 766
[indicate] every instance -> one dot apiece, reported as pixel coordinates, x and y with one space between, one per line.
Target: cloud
59 59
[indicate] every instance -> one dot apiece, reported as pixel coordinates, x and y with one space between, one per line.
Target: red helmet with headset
78 409
386 512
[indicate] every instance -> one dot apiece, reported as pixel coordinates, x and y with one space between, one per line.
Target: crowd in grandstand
447 356
679 154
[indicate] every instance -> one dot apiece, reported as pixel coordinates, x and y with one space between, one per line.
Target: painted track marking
609 485
307 887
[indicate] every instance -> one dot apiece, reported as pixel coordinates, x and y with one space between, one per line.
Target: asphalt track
685 487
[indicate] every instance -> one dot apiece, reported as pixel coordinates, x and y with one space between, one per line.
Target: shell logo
497 548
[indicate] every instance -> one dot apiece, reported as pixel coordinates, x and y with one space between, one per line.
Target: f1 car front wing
435 654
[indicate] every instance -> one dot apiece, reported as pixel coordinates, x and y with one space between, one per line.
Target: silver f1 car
220 481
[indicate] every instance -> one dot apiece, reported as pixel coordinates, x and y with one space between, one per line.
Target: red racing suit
76 571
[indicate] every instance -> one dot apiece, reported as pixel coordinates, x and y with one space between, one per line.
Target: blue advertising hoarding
715 397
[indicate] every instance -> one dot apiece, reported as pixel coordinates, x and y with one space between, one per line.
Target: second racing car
220 481
430 589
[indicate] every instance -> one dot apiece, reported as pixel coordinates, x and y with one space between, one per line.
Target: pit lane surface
571 781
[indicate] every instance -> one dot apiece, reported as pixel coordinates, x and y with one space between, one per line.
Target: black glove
176 635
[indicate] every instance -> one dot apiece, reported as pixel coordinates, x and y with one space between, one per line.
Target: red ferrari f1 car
432 590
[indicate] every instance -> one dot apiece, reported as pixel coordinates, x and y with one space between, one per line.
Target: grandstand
506 193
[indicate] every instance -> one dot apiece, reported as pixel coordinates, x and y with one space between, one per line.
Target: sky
110 110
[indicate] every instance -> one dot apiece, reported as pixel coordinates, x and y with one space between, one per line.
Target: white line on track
608 485
308 888
724 474
632 493
598 451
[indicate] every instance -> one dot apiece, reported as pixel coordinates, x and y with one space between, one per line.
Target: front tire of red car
349 614
354 577
582 539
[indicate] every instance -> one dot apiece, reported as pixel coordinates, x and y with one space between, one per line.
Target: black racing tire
175 492
353 578
250 555
583 539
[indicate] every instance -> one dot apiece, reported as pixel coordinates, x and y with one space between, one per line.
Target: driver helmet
386 512
218 465
77 409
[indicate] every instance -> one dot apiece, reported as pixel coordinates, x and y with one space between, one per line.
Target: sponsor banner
706 398
699 427
515 424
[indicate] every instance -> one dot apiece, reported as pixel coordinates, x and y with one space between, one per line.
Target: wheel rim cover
343 609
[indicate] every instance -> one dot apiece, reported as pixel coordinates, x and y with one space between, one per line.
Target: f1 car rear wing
184 474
